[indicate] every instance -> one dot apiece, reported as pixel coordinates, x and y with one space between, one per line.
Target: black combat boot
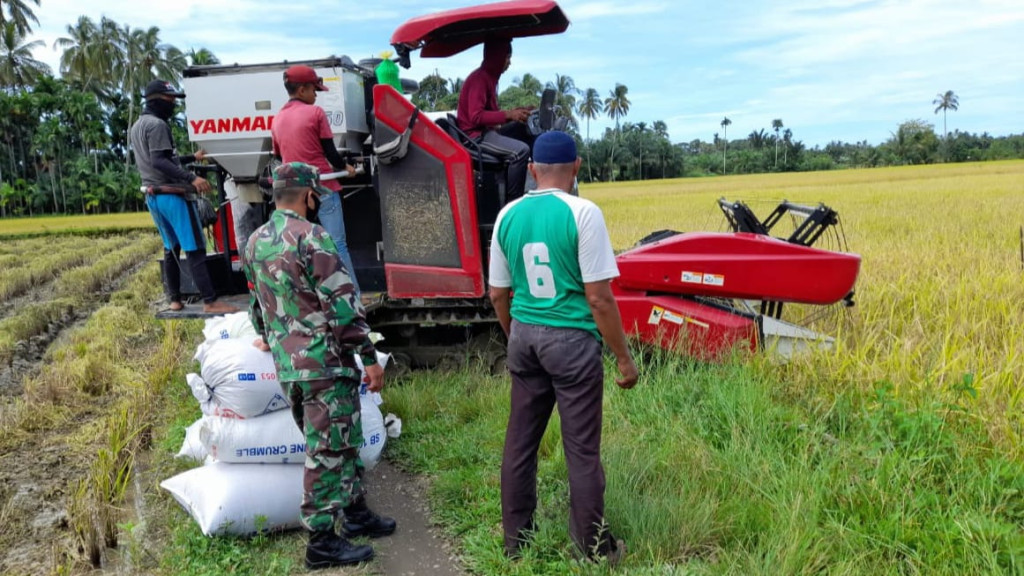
361 521
326 549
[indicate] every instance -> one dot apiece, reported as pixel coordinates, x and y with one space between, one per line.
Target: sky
849 70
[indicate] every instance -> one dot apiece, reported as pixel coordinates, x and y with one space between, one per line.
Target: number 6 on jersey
538 273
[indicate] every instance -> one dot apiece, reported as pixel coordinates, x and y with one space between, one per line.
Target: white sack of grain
270 439
192 448
275 438
229 326
240 499
236 380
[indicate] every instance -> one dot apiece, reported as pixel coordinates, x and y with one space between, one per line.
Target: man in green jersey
550 266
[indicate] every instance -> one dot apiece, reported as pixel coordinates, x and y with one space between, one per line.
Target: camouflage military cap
298 175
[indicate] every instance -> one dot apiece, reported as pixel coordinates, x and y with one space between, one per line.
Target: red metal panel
446 33
218 234
686 326
739 265
429 282
406 281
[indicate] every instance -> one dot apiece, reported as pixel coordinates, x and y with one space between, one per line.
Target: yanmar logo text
230 125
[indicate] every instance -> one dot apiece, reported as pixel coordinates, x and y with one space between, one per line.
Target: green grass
98 224
717 470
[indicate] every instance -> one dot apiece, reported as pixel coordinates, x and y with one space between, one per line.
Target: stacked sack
253 450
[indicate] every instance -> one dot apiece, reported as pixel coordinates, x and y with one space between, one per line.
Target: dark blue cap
554 148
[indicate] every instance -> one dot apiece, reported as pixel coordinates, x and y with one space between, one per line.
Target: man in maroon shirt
480 117
302 133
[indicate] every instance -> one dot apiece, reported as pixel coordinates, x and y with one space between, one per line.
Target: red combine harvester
709 294
420 214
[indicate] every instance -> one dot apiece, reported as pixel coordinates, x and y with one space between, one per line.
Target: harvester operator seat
490 168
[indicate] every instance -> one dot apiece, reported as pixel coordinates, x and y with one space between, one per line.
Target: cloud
831 69
591 10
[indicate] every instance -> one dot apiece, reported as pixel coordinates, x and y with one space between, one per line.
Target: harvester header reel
815 220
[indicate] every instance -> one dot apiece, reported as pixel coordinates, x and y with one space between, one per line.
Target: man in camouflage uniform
306 310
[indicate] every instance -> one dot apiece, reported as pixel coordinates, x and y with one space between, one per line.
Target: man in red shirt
302 133
479 116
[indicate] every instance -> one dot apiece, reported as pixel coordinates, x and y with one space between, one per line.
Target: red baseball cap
299 74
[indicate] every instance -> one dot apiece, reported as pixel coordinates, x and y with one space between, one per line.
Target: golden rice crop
59 224
46 262
941 285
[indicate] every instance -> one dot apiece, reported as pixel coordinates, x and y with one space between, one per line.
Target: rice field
68 330
899 451
100 223
938 301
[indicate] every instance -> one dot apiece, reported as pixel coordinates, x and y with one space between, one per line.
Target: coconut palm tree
725 136
787 138
777 125
589 108
152 58
757 138
565 97
148 58
641 130
19 13
660 130
87 60
944 102
18 68
201 57
616 106
531 84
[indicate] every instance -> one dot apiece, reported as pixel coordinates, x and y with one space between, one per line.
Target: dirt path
416 548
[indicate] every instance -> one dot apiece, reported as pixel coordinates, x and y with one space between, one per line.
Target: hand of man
629 373
260 344
518 114
200 155
201 185
350 169
376 374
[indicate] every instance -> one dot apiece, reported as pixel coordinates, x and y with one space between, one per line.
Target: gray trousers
516 184
552 366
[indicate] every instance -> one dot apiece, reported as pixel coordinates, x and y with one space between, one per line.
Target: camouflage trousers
327 412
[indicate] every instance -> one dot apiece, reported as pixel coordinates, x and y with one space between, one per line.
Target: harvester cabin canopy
447 33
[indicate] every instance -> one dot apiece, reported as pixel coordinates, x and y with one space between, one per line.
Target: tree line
642 150
64 141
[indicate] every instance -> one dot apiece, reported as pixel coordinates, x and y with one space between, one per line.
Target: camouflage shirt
303 302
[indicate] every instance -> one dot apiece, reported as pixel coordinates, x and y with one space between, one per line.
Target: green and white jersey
546 245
